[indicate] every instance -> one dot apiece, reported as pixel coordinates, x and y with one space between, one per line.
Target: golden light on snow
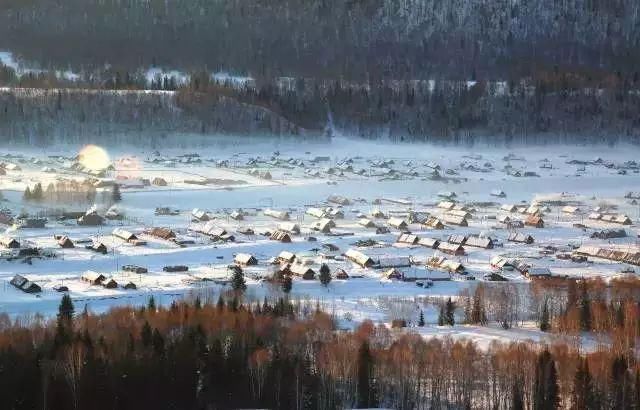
94 158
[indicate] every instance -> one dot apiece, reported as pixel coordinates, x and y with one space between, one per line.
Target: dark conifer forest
452 71
284 354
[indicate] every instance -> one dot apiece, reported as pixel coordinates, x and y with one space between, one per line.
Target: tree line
233 352
462 39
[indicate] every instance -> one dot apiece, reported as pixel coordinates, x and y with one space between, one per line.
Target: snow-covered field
393 180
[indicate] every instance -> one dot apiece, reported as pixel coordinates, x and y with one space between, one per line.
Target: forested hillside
461 70
355 39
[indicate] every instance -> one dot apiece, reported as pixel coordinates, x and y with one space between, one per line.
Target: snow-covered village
399 229
319 205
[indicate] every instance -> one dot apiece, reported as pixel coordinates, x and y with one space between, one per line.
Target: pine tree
38 193
585 309
449 316
441 320
325 275
116 196
146 334
421 319
237 281
517 401
151 305
478 314
621 394
582 393
66 310
287 284
197 305
546 391
544 317
365 389
27 196
220 303
158 343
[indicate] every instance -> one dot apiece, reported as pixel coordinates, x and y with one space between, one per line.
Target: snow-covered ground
375 176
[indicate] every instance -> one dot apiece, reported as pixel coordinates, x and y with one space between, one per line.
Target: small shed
397 223
65 242
158 181
359 258
245 259
286 257
200 215
367 223
429 243
434 223
282 215
535 221
301 271
9 242
25 285
281 236
451 248
324 225
520 238
98 247
290 227
408 239
455 220
93 278
91 219
110 283
162 233
341 274
480 242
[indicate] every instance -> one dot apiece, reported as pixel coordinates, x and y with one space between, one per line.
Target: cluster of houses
618 255
98 279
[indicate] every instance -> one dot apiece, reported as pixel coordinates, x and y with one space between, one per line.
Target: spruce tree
517 401
544 317
151 305
237 281
421 319
116 196
27 196
546 391
449 316
38 193
582 393
585 309
287 284
441 320
325 275
66 310
365 389
220 303
146 334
